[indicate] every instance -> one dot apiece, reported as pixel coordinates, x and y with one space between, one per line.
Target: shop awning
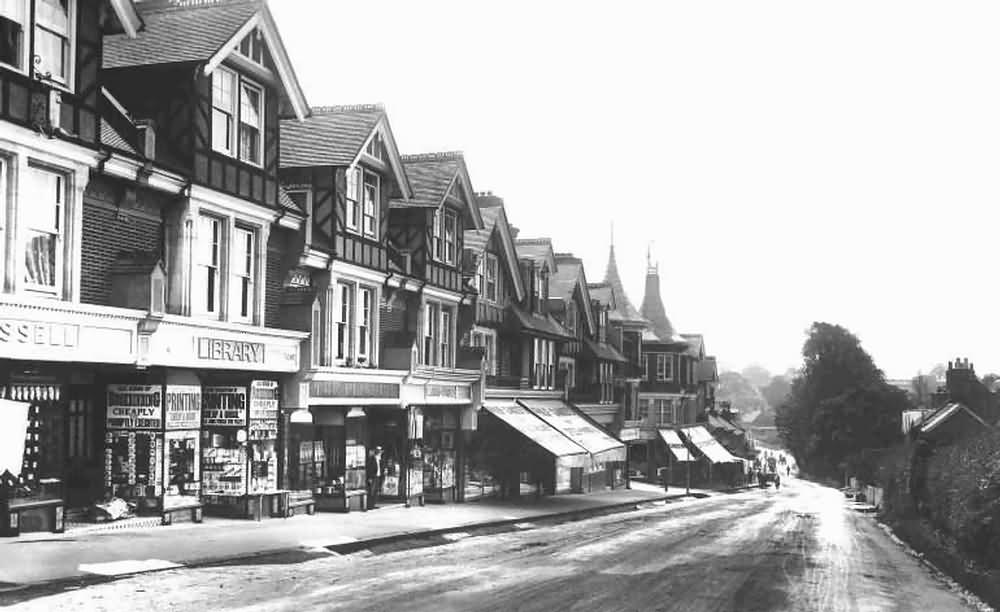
673 442
561 416
538 431
709 446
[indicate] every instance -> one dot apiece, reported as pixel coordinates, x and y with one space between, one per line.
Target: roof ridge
159 6
437 156
377 107
527 241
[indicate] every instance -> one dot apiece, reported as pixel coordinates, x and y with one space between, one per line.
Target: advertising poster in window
135 407
224 406
263 410
182 407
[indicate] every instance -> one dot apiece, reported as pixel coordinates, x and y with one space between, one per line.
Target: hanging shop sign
224 406
182 407
135 407
263 410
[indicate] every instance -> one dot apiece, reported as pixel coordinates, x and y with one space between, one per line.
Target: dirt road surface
799 548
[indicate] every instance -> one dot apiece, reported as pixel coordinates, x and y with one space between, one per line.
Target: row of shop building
218 299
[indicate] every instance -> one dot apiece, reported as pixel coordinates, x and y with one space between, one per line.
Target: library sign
184 344
135 407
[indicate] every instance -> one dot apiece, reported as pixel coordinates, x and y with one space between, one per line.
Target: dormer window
53 37
252 47
487 277
362 201
445 236
237 102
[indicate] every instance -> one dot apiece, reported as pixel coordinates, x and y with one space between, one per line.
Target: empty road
797 549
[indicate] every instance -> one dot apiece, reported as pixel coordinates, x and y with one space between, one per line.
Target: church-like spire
625 311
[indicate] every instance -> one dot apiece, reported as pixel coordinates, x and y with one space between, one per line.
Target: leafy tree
776 391
990 381
743 397
840 404
757 375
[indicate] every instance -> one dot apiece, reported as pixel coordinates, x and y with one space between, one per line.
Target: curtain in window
40 259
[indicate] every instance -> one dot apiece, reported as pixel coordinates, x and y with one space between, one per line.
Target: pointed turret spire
624 311
652 307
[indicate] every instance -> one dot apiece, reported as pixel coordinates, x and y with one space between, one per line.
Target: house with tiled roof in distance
379 284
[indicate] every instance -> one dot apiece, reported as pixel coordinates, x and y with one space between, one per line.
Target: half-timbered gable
541 333
490 253
211 80
341 167
429 228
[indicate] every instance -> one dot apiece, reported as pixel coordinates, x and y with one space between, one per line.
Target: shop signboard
135 407
182 407
224 406
263 410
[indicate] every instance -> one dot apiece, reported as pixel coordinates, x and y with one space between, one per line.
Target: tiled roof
476 240
603 293
603 350
696 344
541 324
652 309
564 280
111 138
535 249
173 33
430 176
331 136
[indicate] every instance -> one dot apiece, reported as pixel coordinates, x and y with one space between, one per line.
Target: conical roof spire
624 311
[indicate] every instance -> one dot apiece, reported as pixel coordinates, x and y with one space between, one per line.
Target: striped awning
708 445
676 446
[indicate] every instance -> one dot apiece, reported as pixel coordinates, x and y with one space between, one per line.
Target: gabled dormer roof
338 136
538 251
566 280
205 31
495 221
696 345
434 177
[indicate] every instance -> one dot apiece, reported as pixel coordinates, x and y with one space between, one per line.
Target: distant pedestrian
374 470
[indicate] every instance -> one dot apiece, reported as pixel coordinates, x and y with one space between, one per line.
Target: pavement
794 549
84 556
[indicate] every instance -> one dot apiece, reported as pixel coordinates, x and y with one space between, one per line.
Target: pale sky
791 161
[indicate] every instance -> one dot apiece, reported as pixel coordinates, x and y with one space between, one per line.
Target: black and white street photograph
550 306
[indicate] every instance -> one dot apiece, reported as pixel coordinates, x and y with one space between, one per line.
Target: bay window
342 320
544 364
244 263
364 324
431 320
41 215
571 317
251 123
53 39
450 239
237 116
664 367
437 240
208 266
354 324
444 339
369 212
645 366
606 381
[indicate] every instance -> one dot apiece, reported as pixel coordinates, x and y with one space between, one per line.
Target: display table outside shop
253 506
28 514
339 500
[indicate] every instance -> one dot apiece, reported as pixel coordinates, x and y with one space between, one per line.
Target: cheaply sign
135 407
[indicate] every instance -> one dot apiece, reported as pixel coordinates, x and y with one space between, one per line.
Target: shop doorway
387 428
